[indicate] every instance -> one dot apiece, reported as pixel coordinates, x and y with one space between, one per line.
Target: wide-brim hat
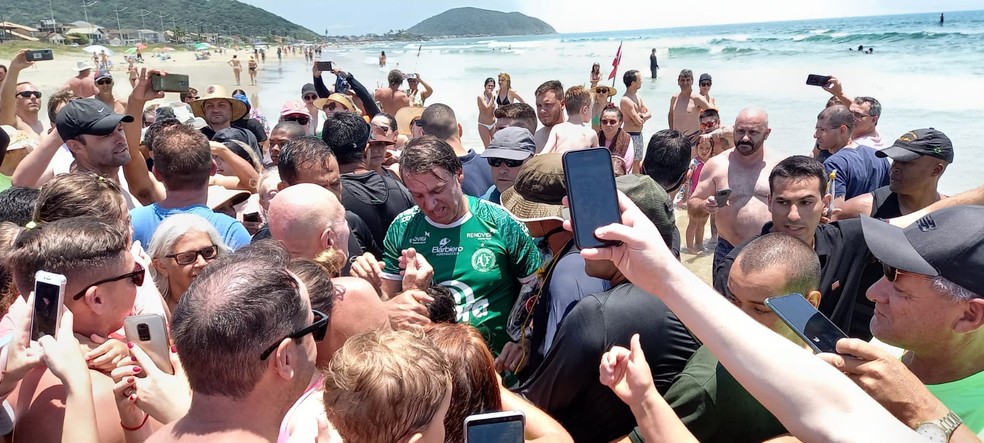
405 116
539 188
219 196
341 99
83 66
215 92
611 90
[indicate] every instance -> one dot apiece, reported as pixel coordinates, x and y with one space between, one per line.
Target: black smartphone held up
591 193
325 66
495 427
169 83
817 80
722 197
149 332
38 55
49 297
811 325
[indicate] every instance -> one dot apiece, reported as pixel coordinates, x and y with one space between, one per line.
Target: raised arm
31 170
8 98
835 89
142 184
426 93
319 82
368 101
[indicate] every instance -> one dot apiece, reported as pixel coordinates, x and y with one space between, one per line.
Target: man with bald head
308 219
744 170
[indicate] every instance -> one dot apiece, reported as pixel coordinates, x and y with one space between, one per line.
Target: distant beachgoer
252 70
83 85
705 89
653 63
237 67
382 59
602 100
595 74
131 70
860 48
505 95
486 112
103 60
280 54
635 114
941 18
417 98
104 82
391 98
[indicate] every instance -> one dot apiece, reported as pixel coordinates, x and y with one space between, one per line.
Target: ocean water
924 74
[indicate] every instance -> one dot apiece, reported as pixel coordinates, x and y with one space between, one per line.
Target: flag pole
615 63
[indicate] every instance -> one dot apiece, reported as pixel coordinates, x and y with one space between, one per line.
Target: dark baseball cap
308 88
704 76
88 116
920 142
947 243
511 143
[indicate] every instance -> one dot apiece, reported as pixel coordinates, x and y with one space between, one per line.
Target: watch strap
950 422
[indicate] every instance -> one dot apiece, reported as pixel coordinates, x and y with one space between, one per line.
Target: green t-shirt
482 258
965 397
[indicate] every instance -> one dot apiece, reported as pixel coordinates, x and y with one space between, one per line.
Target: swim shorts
636 145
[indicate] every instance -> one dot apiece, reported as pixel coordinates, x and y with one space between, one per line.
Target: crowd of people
356 273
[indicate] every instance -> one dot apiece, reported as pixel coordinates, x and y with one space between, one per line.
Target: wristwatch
939 430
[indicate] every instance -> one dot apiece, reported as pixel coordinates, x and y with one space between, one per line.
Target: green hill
209 16
464 22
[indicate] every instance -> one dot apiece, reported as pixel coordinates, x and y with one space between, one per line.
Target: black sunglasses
892 273
705 84
104 81
301 120
310 97
189 257
137 276
317 329
26 94
496 162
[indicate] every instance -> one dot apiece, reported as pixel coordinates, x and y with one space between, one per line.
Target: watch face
932 432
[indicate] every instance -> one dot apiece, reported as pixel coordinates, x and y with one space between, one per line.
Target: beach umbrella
164 49
202 46
141 46
95 49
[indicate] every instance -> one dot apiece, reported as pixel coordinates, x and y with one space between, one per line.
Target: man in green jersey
476 248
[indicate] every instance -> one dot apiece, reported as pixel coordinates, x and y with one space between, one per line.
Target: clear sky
379 16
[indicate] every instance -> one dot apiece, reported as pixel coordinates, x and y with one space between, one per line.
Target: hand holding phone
721 197
325 66
591 193
150 334
40 55
495 427
809 324
817 80
49 297
169 83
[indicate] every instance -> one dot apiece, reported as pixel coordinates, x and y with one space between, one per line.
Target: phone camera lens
143 332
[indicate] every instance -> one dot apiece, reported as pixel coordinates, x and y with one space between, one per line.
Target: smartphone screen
817 80
811 325
170 83
48 294
497 427
591 194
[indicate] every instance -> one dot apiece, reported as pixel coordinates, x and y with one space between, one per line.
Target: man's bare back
392 100
84 87
747 209
632 108
568 136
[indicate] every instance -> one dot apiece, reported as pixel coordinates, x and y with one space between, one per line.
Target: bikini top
502 102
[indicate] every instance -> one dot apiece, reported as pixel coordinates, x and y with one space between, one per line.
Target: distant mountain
464 22
209 16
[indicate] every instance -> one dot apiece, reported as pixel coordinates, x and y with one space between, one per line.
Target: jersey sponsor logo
479 235
469 310
420 239
483 260
442 248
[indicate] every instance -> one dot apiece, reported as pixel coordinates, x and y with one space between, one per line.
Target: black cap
87 116
920 142
511 143
947 243
308 88
704 76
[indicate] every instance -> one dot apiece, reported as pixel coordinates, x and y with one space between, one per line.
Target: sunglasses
27 94
708 125
892 273
301 120
317 329
189 257
137 276
606 121
193 97
104 81
310 97
706 84
331 106
381 128
602 90
496 162
859 116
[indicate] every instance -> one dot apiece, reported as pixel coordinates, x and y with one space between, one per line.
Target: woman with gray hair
181 247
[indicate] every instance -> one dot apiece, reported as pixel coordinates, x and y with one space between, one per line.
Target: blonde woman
505 95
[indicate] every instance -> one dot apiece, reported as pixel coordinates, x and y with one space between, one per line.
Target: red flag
618 59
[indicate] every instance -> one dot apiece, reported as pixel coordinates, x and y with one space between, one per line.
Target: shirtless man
635 114
82 84
550 104
573 134
684 116
104 81
391 98
24 95
745 171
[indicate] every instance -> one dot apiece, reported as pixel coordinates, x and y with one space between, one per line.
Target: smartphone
149 332
49 297
591 193
808 323
253 217
495 427
325 66
722 197
169 83
817 80
40 55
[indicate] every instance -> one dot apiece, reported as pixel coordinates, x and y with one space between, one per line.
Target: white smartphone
150 333
49 298
495 427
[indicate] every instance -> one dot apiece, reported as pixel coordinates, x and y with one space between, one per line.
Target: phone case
156 345
784 304
48 307
589 171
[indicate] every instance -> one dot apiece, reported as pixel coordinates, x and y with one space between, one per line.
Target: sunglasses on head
189 257
137 276
300 119
317 329
27 94
496 162
104 81
892 273
310 97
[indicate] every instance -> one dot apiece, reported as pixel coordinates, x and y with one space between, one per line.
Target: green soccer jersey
483 258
